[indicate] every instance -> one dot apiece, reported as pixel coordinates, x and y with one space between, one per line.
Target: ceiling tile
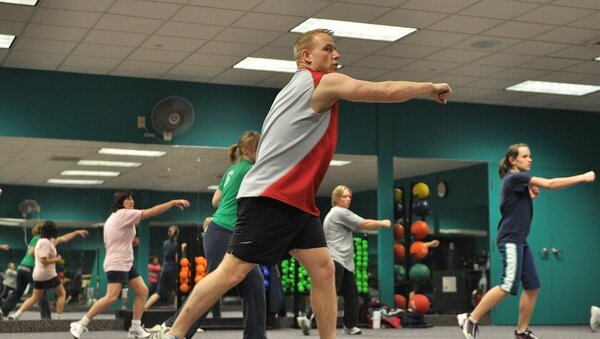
591 4
65 18
244 5
292 7
555 15
382 62
433 38
348 44
12 27
476 70
252 36
101 37
457 55
579 52
551 64
569 35
409 18
228 48
273 52
207 15
207 72
76 5
453 79
102 50
497 43
430 66
55 32
90 62
158 55
443 6
188 30
213 60
505 9
504 59
241 77
173 43
43 45
15 12
590 67
520 74
405 75
535 48
111 22
464 24
148 67
145 9
364 73
571 77
269 22
491 83
34 58
408 51
519 30
591 21
351 12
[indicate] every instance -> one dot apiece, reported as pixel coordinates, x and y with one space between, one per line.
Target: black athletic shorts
122 277
46 284
266 229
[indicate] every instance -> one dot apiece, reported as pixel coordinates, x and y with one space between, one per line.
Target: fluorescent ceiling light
553 88
6 40
131 152
264 64
212 187
91 173
20 2
75 182
356 30
339 162
597 58
108 163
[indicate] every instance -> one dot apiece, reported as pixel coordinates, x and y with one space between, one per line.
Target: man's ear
306 56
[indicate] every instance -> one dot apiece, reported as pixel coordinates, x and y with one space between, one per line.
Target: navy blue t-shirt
516 208
169 253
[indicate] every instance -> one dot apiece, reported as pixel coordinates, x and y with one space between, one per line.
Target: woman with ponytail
519 188
167 283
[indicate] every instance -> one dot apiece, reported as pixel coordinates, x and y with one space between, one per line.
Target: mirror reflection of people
167 283
594 318
119 235
339 225
153 273
44 274
24 278
276 203
9 280
218 234
519 188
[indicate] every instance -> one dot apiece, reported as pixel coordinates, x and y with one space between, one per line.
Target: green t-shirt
226 214
29 260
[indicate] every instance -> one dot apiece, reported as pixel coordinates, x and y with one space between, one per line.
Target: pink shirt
44 249
119 231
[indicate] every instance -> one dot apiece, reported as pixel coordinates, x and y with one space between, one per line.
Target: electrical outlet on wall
141 121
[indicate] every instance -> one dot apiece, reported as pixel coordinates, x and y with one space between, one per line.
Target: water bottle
377 319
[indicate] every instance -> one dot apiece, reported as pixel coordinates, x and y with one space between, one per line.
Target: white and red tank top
295 148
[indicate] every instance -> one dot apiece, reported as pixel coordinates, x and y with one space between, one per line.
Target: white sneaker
461 319
158 328
353 331
304 323
594 318
77 329
161 335
138 332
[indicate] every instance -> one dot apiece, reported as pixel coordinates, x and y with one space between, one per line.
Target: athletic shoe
527 334
162 335
461 319
304 323
138 332
158 328
469 328
1 315
77 329
354 330
594 318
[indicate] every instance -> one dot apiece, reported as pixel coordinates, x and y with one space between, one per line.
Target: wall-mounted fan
28 206
172 116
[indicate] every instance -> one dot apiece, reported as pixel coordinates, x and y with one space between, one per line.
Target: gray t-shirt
338 226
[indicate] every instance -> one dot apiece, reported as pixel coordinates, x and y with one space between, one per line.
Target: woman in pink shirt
44 272
119 234
153 273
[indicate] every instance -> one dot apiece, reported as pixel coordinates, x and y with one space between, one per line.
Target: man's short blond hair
305 41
